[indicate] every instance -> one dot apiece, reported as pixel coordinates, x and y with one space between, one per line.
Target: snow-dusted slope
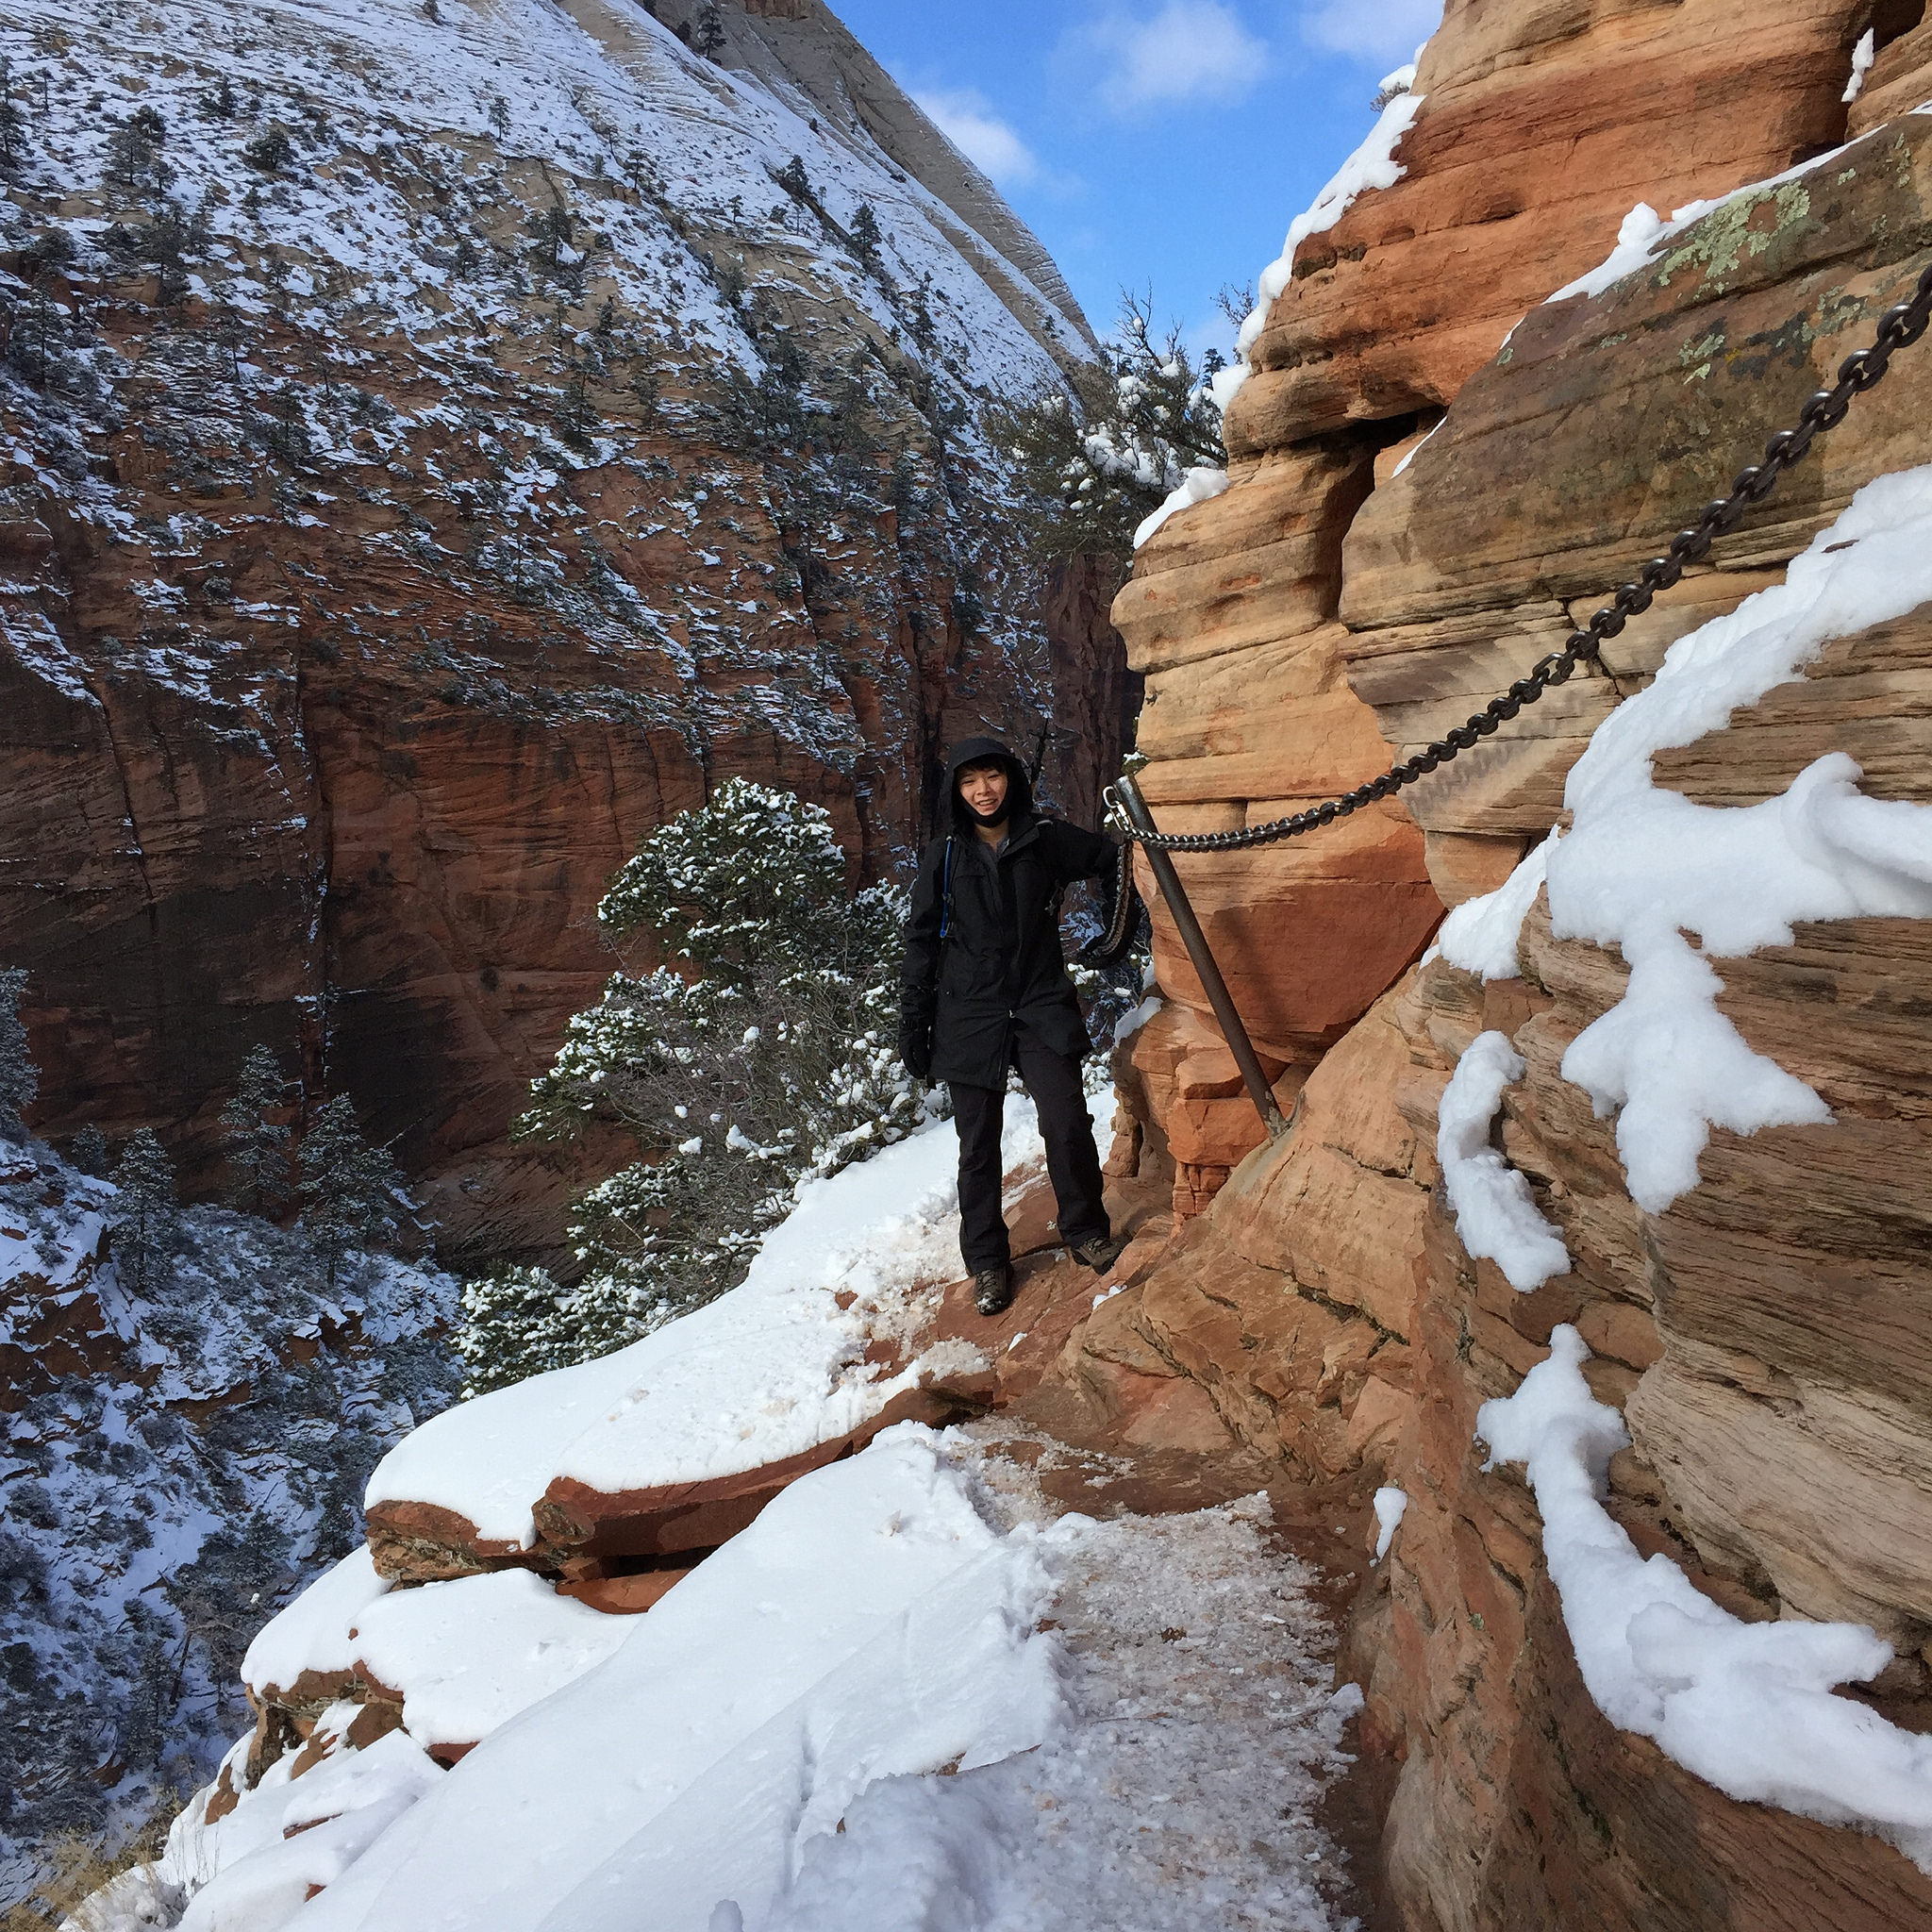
171 1464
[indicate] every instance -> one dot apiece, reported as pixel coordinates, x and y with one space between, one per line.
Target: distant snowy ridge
1644 866
1747 1707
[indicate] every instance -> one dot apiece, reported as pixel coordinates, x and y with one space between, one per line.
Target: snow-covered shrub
1101 456
761 1052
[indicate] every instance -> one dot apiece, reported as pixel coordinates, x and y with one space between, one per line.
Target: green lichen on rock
1725 238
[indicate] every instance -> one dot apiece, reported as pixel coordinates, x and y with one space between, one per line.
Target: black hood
984 751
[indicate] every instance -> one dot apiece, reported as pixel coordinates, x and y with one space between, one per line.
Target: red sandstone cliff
378 572
1337 604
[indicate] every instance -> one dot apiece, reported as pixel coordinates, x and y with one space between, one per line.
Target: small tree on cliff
351 1192
762 1052
143 1229
709 38
19 1080
88 1151
1101 456
517 1323
256 1143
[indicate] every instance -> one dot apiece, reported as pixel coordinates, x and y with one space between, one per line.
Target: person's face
984 789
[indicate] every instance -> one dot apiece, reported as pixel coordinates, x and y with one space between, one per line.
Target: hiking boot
992 1289
1102 1252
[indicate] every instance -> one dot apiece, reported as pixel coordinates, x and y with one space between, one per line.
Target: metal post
1196 942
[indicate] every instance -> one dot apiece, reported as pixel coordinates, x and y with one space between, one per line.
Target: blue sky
1150 142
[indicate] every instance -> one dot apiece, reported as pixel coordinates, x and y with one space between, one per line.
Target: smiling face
984 789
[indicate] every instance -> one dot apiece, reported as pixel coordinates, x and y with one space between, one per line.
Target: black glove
915 1050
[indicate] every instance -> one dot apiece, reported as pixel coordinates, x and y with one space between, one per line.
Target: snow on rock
1371 165
1391 1506
465 1657
314 1634
869 1623
1496 1218
1644 866
330 1818
770 1372
1480 936
1862 57
1200 485
1643 233
1747 1706
1641 867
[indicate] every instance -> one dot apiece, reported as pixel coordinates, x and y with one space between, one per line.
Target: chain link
1898 328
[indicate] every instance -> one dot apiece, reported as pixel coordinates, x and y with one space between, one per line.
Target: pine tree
256 1144
868 243
88 1151
20 1079
135 162
144 1225
517 1323
708 38
12 122
352 1193
792 178
763 1051
271 151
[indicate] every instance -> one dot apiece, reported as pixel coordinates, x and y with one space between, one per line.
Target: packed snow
769 1371
1676 885
468 1655
316 1631
1496 1216
1392 1505
1747 1707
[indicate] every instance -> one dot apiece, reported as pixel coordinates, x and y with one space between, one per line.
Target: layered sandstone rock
1757 1336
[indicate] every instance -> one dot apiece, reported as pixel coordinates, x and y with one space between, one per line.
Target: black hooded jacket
999 963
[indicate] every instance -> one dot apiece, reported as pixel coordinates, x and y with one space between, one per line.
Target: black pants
1072 1162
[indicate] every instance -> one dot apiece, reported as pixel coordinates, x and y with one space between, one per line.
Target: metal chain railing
1898 328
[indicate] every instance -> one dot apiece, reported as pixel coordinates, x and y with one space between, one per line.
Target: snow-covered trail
1181 1789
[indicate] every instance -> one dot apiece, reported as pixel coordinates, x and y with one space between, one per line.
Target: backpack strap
946 892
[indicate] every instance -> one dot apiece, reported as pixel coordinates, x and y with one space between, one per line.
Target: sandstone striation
1757 1336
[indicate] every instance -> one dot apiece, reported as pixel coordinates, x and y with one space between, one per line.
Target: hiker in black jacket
985 990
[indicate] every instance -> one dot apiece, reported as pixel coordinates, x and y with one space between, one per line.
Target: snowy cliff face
443 443
173 1464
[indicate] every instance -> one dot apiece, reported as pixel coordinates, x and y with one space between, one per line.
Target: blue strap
946 895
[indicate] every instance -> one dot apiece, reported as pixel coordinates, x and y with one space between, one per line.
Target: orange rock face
1755 1335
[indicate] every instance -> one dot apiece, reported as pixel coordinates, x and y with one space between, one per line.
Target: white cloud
966 118
1374 30
1188 50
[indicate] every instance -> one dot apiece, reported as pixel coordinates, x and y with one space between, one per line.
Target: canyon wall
427 477
1377 571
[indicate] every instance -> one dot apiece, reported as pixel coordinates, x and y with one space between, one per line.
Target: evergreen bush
19 1080
761 1051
